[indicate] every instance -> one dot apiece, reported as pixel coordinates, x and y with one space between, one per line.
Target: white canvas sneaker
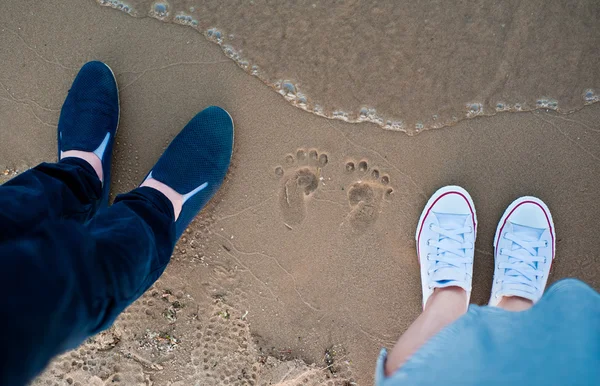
524 247
446 241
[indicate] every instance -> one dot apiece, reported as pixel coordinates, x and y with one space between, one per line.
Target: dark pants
68 270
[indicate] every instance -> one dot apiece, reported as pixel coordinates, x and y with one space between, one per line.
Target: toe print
299 180
366 194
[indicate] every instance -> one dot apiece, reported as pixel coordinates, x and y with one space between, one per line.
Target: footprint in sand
299 179
366 193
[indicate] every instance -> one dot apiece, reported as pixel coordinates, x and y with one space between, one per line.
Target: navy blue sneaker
90 116
196 161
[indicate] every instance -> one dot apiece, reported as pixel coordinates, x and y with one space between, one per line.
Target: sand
269 288
404 65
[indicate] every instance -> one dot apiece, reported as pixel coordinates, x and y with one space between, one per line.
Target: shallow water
407 66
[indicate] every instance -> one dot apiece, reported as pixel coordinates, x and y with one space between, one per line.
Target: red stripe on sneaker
432 205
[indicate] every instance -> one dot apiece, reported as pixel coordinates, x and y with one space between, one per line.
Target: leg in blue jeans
66 276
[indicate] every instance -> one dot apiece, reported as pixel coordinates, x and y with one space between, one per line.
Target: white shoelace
520 267
451 257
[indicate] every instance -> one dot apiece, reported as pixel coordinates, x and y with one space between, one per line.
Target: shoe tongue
452 276
526 233
451 221
454 283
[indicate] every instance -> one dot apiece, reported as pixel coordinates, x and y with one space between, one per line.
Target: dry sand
247 297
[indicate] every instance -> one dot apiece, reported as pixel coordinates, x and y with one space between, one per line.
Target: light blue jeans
556 342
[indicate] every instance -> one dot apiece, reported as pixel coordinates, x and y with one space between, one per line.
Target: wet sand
405 65
264 284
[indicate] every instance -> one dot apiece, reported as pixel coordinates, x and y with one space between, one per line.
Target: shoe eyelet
546 244
430 227
429 242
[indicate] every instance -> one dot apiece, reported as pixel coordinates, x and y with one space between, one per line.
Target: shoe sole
114 139
511 208
232 135
118 99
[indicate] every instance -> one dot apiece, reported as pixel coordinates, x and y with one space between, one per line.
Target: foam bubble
547 103
366 114
394 125
287 89
474 109
318 109
590 96
362 114
160 10
119 5
214 35
231 53
302 101
184 19
342 115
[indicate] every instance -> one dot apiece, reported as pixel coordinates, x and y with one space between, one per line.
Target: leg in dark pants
67 270
70 265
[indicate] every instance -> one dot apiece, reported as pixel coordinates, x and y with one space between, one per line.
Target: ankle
515 303
175 198
448 300
87 156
